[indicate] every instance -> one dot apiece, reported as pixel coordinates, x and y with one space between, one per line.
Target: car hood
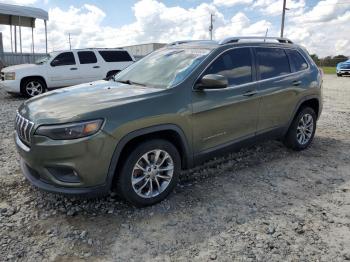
16 68
83 101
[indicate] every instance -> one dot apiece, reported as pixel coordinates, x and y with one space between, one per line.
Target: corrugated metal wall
15 59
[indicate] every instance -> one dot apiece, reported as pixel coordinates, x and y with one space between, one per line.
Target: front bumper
88 158
34 178
343 72
11 86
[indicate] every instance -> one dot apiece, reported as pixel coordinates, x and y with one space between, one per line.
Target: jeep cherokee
171 110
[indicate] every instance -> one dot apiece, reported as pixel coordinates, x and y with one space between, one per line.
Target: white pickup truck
64 68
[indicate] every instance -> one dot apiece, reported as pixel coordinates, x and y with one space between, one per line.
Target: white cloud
156 22
324 11
274 7
19 2
330 38
229 3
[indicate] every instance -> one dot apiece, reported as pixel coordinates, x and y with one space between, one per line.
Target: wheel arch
310 101
170 132
31 77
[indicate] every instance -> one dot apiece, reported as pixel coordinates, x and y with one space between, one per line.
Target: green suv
171 110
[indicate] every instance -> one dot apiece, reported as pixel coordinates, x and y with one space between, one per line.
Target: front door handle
74 68
96 67
296 83
250 93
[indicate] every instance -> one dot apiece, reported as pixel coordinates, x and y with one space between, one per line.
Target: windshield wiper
129 82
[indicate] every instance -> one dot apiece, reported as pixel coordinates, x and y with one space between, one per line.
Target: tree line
329 60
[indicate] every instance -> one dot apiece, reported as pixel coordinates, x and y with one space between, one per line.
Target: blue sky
120 12
117 23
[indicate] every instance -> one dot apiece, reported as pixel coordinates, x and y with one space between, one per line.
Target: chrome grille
2 76
23 128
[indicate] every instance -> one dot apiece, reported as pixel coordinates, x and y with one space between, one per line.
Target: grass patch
329 69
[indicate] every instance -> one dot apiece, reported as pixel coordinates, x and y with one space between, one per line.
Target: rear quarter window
115 56
272 62
298 62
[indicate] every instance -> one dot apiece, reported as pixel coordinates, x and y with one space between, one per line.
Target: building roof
21 15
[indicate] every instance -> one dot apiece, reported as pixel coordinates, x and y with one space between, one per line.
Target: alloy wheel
152 173
34 88
305 129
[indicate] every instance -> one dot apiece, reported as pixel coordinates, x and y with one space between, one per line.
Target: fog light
64 174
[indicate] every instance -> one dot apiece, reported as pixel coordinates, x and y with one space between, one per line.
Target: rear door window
272 62
235 65
66 58
115 56
87 57
297 60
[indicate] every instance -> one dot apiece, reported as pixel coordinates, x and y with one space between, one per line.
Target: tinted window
62 59
115 56
272 62
235 65
297 60
87 57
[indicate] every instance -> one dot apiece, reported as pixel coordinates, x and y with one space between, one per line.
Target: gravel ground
264 203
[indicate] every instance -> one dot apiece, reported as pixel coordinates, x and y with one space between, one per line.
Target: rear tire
302 130
150 172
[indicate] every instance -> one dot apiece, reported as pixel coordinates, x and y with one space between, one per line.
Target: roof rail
237 39
190 41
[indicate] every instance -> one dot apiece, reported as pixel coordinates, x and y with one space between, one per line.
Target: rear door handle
296 83
74 68
250 93
96 67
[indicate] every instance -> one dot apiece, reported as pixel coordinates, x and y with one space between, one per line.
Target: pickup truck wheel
33 87
150 172
302 130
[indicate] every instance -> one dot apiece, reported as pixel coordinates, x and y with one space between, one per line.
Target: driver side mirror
212 81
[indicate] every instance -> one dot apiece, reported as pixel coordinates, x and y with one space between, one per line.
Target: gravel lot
264 203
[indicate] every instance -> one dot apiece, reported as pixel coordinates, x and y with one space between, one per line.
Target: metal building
21 16
139 51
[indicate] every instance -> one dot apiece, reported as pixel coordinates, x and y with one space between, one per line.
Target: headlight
70 131
10 76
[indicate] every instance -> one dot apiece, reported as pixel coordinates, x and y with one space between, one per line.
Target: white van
64 68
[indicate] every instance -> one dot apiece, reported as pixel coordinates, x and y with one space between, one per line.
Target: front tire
150 172
302 130
33 86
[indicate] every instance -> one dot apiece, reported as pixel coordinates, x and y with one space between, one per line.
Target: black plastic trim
88 192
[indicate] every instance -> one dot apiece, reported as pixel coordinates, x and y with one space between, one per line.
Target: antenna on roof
267 30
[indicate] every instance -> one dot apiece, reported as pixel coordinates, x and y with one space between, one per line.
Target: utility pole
70 43
283 16
211 27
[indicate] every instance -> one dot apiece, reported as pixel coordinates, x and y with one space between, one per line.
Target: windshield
43 59
345 66
164 68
